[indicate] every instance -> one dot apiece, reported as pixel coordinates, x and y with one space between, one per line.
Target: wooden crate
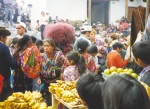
56 100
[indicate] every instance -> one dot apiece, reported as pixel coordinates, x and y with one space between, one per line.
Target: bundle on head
62 33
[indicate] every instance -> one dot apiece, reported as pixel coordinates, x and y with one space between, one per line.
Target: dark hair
89 88
82 44
124 92
78 60
15 41
92 49
141 50
3 35
117 45
21 43
33 39
39 42
83 32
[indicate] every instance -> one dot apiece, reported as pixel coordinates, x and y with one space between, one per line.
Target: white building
105 11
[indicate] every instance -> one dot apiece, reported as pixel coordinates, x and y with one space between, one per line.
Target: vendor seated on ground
141 53
89 88
114 58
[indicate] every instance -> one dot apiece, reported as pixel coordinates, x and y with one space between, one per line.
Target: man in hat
85 34
21 29
6 62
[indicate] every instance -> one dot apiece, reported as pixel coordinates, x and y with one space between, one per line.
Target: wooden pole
126 9
89 11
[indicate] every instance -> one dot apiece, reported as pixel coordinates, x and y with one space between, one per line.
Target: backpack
31 62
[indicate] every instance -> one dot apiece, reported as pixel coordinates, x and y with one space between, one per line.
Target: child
141 53
76 66
89 88
93 50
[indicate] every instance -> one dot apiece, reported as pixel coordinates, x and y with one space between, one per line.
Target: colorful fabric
31 61
51 66
71 73
90 63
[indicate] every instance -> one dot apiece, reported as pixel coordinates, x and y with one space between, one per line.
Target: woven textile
138 22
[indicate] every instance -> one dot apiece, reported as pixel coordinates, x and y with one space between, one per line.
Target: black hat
4 31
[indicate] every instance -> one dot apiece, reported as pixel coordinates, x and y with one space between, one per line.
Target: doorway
100 12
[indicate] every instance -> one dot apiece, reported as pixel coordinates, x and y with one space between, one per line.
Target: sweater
115 59
6 62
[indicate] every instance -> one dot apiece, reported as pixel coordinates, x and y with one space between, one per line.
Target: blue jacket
6 61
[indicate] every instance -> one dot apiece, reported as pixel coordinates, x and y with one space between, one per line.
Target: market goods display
114 70
27 100
66 91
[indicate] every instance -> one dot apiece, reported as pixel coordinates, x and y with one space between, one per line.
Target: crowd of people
60 54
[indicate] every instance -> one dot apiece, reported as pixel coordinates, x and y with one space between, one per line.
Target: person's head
33 38
124 92
24 43
75 58
92 50
141 53
82 45
3 34
92 36
39 43
43 13
113 36
89 88
117 46
21 28
14 42
49 46
86 30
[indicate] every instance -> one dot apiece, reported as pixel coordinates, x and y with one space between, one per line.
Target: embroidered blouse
90 63
71 73
50 65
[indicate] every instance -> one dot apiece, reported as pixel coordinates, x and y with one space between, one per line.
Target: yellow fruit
114 73
113 68
128 73
130 70
125 70
134 75
107 71
119 70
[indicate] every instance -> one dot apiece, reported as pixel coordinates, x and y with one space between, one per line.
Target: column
89 11
126 9
147 10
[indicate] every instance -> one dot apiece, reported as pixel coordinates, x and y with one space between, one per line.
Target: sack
31 62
